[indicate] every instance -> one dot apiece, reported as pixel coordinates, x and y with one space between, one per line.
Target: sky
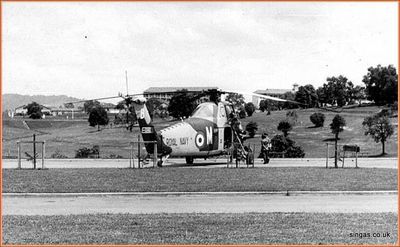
83 49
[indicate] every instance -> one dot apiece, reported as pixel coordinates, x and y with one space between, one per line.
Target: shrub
88 152
295 152
285 127
282 144
115 156
317 119
251 128
58 155
249 108
242 113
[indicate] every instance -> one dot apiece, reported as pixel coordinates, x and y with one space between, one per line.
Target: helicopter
213 129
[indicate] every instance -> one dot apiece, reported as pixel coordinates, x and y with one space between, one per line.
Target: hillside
314 140
66 136
11 101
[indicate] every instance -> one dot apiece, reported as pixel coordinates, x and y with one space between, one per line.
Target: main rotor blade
264 96
136 94
112 97
86 100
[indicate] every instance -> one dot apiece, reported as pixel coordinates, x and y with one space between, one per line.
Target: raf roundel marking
200 139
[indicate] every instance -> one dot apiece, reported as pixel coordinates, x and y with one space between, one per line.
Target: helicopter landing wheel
189 160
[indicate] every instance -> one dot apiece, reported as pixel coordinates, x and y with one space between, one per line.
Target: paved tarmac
201 163
200 203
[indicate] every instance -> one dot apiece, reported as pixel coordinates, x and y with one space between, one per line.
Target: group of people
266 144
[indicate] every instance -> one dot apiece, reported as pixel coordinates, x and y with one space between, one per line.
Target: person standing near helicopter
266 146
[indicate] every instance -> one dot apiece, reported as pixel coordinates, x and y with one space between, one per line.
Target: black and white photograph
200 123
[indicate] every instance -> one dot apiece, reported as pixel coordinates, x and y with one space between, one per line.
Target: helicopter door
221 122
227 137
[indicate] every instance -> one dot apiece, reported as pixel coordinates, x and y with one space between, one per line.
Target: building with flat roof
166 93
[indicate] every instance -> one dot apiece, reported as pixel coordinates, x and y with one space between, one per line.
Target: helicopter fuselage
206 133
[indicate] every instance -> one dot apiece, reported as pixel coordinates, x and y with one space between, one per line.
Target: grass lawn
197 179
246 228
313 140
68 136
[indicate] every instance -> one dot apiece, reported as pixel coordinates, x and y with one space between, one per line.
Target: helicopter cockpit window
205 110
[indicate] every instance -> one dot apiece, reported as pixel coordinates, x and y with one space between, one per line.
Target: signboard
351 148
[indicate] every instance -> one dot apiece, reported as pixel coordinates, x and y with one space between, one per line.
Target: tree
358 93
121 105
379 127
262 106
307 95
153 105
34 110
88 105
249 108
69 105
337 125
181 104
324 95
97 116
317 119
236 99
381 84
252 128
289 96
338 90
285 127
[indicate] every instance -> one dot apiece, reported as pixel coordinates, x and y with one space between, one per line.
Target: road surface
202 203
201 163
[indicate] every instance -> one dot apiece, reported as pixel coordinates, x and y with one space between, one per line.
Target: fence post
356 157
43 152
155 154
138 151
327 154
34 151
19 154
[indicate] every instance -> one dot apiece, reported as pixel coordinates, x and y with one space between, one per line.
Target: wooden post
356 157
247 157
254 153
327 154
138 151
344 155
130 155
155 154
43 152
34 151
19 154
